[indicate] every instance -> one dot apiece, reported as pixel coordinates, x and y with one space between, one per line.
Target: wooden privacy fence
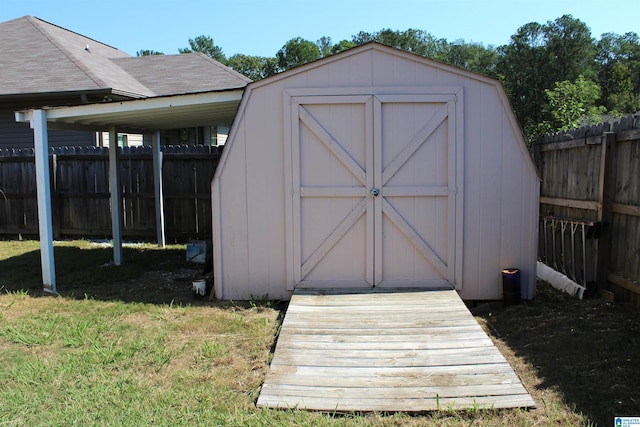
590 205
80 192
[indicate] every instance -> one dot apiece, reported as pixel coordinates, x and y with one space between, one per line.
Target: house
45 65
374 168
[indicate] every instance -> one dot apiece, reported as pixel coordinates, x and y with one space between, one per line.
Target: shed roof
40 60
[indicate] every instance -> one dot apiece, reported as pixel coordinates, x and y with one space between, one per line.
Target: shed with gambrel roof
374 168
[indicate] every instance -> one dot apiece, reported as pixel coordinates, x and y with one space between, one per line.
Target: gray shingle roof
181 74
37 57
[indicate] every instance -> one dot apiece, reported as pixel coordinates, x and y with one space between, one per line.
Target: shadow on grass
588 350
147 275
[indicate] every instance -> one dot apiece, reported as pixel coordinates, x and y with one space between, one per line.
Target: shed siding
500 181
232 234
265 198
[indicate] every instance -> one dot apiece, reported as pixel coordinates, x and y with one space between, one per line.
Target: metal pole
116 196
45 223
159 194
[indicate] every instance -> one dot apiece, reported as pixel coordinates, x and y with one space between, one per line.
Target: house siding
20 135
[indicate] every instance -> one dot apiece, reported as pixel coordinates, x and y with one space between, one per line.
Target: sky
261 28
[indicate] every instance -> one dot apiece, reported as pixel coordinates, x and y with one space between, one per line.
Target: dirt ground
152 287
586 350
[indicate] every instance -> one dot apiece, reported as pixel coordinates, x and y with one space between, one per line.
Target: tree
523 69
617 63
630 52
471 56
325 45
254 67
296 52
148 52
571 48
572 104
205 44
361 38
342 45
415 41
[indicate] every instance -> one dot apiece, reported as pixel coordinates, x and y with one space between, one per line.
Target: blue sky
257 27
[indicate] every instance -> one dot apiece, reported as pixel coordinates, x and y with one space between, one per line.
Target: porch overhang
147 115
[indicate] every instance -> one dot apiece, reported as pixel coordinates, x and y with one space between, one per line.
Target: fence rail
80 192
591 176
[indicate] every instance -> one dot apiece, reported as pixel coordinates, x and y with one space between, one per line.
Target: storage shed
374 168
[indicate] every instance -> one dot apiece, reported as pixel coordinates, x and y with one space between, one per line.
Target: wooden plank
605 196
623 209
394 405
338 352
394 371
337 338
381 332
627 284
447 357
373 310
628 135
296 344
398 324
572 143
571 203
366 381
404 392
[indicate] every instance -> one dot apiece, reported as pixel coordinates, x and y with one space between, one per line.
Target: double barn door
375 189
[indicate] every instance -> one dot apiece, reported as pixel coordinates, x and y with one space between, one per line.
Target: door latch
374 192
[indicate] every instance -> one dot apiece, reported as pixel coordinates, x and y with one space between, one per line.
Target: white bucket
200 287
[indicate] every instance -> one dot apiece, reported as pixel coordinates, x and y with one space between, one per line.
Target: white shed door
373 190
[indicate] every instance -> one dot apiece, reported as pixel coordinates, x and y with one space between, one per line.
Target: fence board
80 192
573 187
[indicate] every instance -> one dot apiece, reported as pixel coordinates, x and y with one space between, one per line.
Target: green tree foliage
523 68
148 52
571 49
573 104
205 44
471 56
296 52
254 67
618 65
362 37
415 41
341 46
325 45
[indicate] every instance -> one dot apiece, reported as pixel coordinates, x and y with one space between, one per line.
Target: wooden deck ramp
386 350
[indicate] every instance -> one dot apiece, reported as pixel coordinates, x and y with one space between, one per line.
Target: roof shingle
37 57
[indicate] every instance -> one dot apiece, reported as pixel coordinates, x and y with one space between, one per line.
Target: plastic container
511 286
200 287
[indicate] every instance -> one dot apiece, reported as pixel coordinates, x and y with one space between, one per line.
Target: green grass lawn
100 354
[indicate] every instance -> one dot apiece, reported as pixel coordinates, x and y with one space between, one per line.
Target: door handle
374 192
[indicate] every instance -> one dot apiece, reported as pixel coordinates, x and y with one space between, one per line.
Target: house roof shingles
38 58
165 74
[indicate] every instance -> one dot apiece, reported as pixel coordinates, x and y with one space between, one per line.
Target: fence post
56 208
537 154
605 193
158 189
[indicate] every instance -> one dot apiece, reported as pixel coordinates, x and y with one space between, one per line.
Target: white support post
116 196
43 182
157 184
